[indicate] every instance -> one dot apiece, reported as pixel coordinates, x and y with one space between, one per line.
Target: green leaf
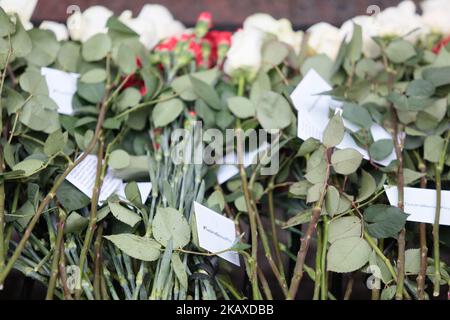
273 111
300 188
40 114
96 48
348 254
75 223
321 63
216 199
123 214
381 149
345 227
357 115
166 112
383 221
433 148
334 132
71 198
400 51
241 107
300 218
307 147
55 143
410 176
367 188
6 26
388 293
346 161
183 85
133 194
171 224
356 44
420 88
438 76
45 47
126 59
141 248
207 93
33 83
29 166
128 98
68 56
332 200
412 261
180 270
119 159
94 76
315 192
21 42
273 54
92 93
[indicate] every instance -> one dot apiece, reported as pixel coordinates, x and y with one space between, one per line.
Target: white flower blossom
59 29
23 8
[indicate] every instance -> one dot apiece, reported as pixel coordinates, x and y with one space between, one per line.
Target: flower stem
93 217
252 218
56 255
423 242
436 246
306 240
323 259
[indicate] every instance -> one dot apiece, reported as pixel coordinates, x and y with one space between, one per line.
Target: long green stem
323 259
56 253
318 272
92 218
436 246
252 218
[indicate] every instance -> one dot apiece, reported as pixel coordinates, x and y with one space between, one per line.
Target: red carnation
205 17
441 45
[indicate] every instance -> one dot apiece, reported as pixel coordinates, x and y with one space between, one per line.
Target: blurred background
227 14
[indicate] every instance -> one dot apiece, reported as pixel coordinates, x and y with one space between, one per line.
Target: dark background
228 14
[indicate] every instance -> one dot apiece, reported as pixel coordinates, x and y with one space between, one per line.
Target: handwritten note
313 115
216 233
420 204
83 178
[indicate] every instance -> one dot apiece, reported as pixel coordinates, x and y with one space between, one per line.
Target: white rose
282 29
287 35
84 25
153 24
436 15
245 52
401 21
262 21
23 8
369 30
325 39
59 29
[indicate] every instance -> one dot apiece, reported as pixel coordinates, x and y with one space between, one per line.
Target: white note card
313 115
216 233
83 178
229 169
62 86
420 204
